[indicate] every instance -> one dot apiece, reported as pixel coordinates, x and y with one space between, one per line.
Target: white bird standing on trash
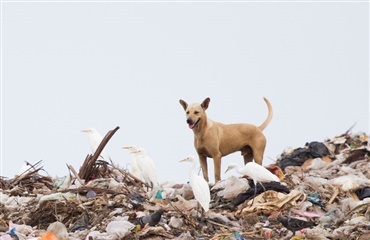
255 171
199 186
95 139
135 170
146 166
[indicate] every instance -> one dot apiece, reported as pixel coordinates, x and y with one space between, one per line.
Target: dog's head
195 112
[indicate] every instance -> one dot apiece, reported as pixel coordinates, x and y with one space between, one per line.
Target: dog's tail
269 116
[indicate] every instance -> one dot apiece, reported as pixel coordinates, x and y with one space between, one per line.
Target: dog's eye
196 112
187 112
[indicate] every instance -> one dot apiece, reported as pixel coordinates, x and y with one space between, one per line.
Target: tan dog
215 140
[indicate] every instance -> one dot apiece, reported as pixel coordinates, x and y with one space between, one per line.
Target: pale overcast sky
69 66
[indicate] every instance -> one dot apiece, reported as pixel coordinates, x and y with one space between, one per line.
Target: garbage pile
323 194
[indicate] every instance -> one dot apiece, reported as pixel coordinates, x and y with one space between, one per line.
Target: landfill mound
323 194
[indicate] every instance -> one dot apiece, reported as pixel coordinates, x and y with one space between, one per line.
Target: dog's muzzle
191 123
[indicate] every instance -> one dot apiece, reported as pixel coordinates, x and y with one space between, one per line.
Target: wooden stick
182 214
132 176
353 195
87 188
27 172
218 224
76 175
336 192
224 235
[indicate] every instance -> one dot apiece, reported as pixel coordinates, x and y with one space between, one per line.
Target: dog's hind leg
258 151
258 148
248 157
258 158
247 154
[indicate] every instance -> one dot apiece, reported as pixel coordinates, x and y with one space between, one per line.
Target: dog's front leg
217 165
203 164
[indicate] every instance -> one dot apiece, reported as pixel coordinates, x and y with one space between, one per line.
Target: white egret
199 186
135 170
255 171
146 166
95 139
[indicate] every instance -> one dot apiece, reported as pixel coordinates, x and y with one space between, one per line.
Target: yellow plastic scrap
298 238
274 200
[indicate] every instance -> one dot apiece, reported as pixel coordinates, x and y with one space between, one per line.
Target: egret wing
201 192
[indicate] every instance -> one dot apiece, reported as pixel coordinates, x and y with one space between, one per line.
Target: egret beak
84 130
126 147
184 160
227 170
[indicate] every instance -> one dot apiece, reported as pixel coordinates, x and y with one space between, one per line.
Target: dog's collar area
192 126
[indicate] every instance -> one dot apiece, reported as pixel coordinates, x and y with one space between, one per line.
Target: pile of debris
323 194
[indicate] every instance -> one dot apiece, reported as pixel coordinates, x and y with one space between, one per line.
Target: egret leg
255 193
264 189
198 212
202 214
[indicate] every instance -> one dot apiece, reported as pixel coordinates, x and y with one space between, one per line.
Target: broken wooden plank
86 169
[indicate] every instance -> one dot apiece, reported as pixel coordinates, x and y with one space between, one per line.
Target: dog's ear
183 104
205 103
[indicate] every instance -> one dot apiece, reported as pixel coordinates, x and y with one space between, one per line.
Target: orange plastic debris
49 236
277 171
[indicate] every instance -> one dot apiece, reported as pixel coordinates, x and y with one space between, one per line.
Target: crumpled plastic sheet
274 201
